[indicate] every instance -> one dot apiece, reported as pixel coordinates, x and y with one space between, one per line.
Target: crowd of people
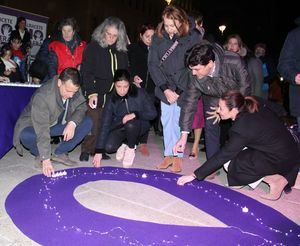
107 94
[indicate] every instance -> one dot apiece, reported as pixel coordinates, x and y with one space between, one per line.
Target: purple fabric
45 210
12 100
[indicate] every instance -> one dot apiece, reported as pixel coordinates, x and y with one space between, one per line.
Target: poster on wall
36 25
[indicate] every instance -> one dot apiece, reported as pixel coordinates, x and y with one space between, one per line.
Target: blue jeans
28 137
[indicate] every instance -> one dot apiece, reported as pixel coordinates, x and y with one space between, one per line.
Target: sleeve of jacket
132 60
155 70
235 145
217 86
105 125
188 107
41 124
287 61
88 67
149 111
52 64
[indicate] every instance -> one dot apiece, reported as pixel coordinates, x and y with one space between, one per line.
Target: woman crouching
125 119
260 148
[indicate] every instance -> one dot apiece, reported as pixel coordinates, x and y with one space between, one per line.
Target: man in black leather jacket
213 71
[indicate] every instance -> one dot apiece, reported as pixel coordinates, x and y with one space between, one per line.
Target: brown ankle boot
176 167
168 160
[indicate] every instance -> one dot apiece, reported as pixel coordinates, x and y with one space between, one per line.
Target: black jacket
166 75
271 149
138 65
230 74
96 69
136 101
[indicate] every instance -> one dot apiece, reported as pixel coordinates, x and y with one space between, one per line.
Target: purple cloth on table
45 210
13 100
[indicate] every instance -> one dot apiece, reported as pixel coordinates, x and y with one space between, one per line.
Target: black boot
84 156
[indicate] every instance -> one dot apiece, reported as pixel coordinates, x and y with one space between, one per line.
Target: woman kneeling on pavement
126 118
260 148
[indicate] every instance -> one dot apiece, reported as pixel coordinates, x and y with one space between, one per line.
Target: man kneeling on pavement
57 108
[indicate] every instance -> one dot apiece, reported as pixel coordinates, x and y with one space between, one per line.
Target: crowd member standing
67 49
235 44
24 35
174 36
138 64
289 68
125 118
106 53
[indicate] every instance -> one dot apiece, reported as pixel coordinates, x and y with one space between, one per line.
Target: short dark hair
72 74
200 53
121 74
70 21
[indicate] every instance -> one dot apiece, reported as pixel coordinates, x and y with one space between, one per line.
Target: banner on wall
36 25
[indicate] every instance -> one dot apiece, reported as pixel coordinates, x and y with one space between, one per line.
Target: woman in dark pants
259 148
125 118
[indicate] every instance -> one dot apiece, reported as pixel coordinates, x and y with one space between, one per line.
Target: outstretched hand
185 179
97 160
213 115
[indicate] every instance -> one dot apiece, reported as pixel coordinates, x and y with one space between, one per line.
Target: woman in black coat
260 148
125 118
138 65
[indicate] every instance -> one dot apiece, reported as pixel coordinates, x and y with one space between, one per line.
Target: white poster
36 25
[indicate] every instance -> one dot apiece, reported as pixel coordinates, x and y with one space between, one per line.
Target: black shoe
84 156
55 140
105 157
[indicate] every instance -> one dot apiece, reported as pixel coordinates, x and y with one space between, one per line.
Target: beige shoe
64 159
168 160
121 152
128 157
176 167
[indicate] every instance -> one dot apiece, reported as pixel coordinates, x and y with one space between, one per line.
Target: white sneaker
121 152
128 157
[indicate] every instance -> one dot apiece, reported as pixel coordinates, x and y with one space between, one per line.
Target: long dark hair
235 99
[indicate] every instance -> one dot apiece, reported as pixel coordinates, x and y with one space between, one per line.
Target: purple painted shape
45 210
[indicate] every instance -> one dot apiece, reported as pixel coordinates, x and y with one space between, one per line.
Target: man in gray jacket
214 71
56 109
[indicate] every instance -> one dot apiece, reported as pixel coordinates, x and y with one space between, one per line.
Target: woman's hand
128 117
185 179
93 100
171 96
97 160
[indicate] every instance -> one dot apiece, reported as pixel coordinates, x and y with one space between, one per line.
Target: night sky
255 21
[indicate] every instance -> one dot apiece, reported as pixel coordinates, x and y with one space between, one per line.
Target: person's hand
128 117
47 168
7 72
180 145
171 96
69 131
213 115
185 179
297 79
137 79
97 160
93 100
